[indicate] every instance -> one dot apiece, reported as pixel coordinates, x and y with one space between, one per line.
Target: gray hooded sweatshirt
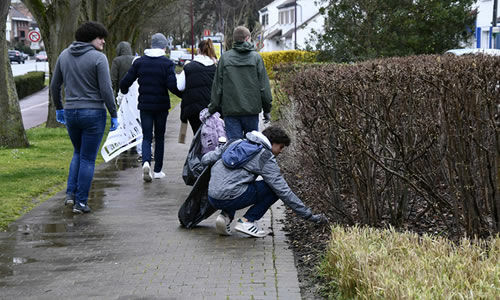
121 63
84 71
227 184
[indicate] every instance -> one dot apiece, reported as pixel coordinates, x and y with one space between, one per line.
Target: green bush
367 263
29 83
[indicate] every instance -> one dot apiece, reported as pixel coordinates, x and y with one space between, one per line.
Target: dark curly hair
276 135
89 31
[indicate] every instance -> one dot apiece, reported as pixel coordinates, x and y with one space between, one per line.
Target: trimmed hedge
411 142
29 83
273 58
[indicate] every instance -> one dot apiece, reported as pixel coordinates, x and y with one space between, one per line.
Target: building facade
288 24
487 35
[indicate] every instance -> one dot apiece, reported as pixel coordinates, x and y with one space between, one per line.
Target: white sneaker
250 228
146 172
159 175
223 225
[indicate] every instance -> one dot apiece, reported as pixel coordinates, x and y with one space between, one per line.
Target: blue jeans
238 126
258 195
158 121
85 129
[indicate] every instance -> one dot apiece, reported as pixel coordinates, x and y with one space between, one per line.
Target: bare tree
57 20
125 20
12 132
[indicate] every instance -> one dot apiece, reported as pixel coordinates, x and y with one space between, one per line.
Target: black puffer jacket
156 76
196 95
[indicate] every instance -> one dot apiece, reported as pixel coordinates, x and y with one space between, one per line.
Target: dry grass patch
367 263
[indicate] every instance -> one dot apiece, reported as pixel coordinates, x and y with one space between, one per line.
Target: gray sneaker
80 208
70 200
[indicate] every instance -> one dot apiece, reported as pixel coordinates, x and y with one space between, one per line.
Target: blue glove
114 124
60 116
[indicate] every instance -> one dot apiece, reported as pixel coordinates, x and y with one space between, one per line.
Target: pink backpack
211 129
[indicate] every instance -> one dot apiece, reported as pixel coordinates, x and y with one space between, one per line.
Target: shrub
273 58
367 263
29 83
406 141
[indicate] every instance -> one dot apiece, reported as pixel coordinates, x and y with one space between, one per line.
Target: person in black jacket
196 83
156 76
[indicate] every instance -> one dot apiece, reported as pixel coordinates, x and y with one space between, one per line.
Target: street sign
35 46
34 36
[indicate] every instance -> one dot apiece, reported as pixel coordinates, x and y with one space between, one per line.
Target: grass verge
367 263
29 176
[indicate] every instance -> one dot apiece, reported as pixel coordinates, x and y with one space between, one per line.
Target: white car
458 52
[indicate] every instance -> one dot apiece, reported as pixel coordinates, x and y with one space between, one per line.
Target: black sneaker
79 208
70 200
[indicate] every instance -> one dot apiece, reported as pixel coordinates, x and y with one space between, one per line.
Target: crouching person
233 183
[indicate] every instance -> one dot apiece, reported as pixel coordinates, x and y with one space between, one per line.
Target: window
23 33
265 20
287 16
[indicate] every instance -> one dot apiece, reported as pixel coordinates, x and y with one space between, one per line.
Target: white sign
129 131
34 36
35 46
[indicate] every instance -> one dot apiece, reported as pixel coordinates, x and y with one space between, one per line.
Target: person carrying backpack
233 183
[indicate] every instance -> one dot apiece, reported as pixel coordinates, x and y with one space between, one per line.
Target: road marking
34 106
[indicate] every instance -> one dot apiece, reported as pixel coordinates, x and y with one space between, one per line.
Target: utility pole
495 7
295 26
192 31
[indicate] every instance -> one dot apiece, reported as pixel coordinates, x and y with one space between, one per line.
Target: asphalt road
29 65
34 108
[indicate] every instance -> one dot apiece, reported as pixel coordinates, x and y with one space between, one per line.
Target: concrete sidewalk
132 247
34 108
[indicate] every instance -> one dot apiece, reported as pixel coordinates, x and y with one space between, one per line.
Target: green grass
29 176
367 263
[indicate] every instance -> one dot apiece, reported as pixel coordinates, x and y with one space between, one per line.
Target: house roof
274 34
17 15
286 4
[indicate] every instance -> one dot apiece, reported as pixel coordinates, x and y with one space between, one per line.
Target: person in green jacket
241 89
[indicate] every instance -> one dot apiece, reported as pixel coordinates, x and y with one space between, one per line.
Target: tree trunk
57 21
12 134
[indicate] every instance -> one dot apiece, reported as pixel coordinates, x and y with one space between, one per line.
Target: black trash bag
196 208
192 166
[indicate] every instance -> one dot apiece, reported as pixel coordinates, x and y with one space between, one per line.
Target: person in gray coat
233 183
120 65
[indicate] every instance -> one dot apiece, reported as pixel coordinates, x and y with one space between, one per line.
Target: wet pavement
132 245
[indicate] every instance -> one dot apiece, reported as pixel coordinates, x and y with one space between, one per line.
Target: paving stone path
132 246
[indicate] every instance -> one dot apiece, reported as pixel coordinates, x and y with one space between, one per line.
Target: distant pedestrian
241 88
233 183
156 76
120 65
84 71
195 81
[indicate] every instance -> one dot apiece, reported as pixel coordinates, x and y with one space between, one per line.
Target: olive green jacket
241 85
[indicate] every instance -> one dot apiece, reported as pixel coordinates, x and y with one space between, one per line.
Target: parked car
26 56
458 52
41 56
180 57
16 56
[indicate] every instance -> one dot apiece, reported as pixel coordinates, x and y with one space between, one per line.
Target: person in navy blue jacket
156 76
